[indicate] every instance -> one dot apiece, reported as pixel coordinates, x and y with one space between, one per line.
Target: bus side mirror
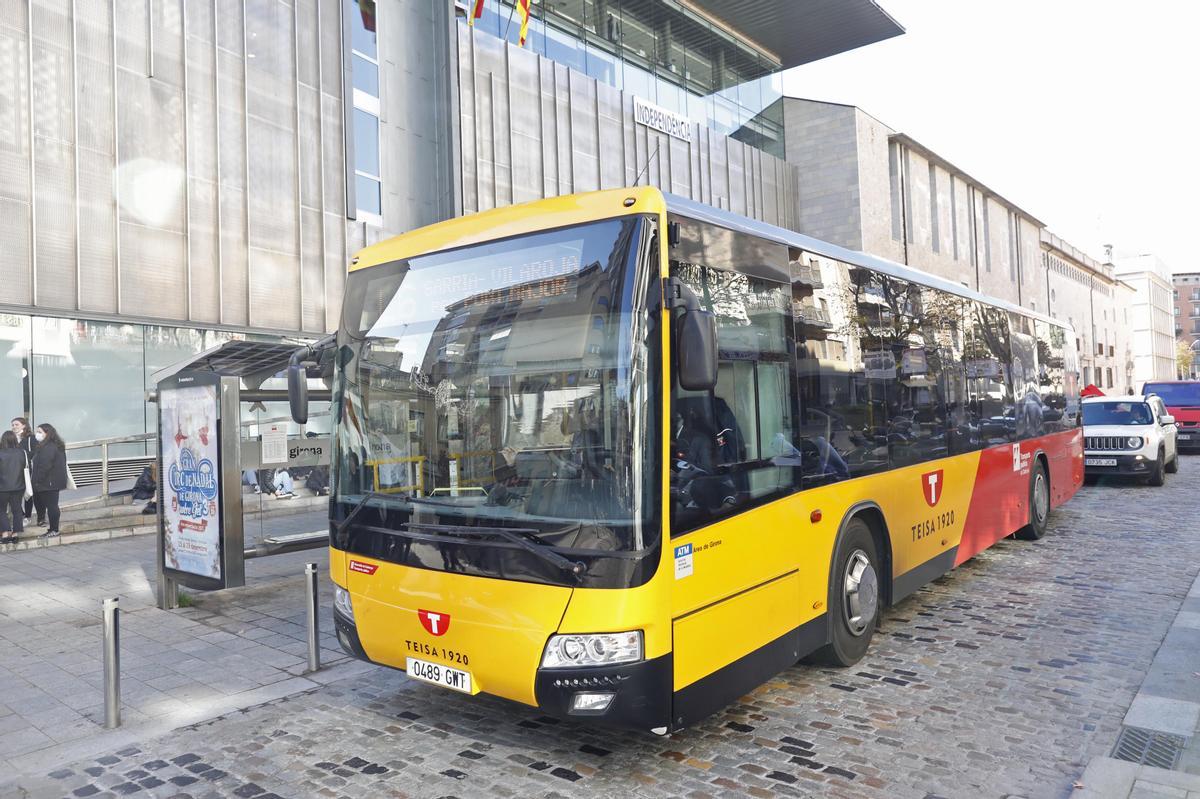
697 345
297 381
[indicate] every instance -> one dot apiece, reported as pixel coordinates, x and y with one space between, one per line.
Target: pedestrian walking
49 473
20 426
12 487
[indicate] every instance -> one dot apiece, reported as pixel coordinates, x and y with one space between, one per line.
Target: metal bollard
112 663
314 651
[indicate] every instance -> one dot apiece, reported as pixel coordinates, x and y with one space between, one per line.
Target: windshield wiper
362 503
521 536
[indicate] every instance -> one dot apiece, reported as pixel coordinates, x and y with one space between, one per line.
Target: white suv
1129 437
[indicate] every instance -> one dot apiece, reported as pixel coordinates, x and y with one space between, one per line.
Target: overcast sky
1082 112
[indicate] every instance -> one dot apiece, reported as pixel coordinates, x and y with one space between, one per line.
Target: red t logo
932 486
434 623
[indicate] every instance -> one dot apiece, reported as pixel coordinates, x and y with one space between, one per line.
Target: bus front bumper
629 696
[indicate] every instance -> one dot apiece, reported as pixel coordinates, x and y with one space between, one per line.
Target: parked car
1182 398
1129 437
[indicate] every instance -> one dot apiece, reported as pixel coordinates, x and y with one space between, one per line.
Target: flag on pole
523 7
476 12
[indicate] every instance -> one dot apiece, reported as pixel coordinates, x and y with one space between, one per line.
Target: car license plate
437 674
1100 462
1185 436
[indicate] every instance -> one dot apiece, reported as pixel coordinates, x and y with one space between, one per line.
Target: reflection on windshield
1118 413
502 385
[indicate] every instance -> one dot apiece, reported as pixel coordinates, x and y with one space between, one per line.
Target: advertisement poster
191 507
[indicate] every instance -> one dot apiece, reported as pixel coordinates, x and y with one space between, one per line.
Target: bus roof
571 209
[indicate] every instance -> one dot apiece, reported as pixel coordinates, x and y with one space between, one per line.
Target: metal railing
810 275
812 315
105 460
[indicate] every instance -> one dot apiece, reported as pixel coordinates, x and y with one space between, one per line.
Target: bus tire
854 597
1039 504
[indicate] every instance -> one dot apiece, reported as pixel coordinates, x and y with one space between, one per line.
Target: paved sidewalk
1168 703
231 649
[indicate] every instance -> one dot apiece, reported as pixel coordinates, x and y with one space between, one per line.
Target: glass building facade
661 52
89 378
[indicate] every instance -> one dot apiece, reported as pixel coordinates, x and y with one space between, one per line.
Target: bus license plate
1100 462
437 674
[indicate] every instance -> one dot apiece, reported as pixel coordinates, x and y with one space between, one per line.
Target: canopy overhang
801 31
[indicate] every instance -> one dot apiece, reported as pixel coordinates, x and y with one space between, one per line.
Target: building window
364 68
987 237
1195 309
933 209
366 162
894 178
1110 378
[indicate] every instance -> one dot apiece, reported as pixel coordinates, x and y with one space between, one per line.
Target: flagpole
510 16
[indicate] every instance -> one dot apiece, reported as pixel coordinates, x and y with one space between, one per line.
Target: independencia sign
670 123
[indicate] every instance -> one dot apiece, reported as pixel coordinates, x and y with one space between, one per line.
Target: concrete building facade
174 174
869 187
1151 317
1088 295
1186 295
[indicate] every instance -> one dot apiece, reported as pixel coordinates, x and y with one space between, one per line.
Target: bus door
736 573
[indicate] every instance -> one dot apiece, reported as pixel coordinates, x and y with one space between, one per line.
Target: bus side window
724 443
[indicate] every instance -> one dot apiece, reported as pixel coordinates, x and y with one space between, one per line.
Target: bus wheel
1039 504
854 597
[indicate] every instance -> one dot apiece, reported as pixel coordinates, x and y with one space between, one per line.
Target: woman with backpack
49 473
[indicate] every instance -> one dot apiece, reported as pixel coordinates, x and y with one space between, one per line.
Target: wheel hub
861 588
1041 497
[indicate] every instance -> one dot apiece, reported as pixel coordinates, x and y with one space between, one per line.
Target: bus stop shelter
223 414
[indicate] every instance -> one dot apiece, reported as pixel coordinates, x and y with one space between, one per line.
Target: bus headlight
1134 442
600 649
341 602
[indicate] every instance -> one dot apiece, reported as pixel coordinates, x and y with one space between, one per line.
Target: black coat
49 470
12 470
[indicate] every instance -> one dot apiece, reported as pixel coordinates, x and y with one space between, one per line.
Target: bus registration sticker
437 674
683 561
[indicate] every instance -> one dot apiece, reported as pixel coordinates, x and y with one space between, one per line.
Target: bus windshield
1176 395
500 388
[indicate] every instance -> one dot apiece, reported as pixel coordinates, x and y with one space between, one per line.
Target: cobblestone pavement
1003 678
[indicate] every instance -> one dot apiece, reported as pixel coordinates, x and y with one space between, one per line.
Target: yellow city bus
623 457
